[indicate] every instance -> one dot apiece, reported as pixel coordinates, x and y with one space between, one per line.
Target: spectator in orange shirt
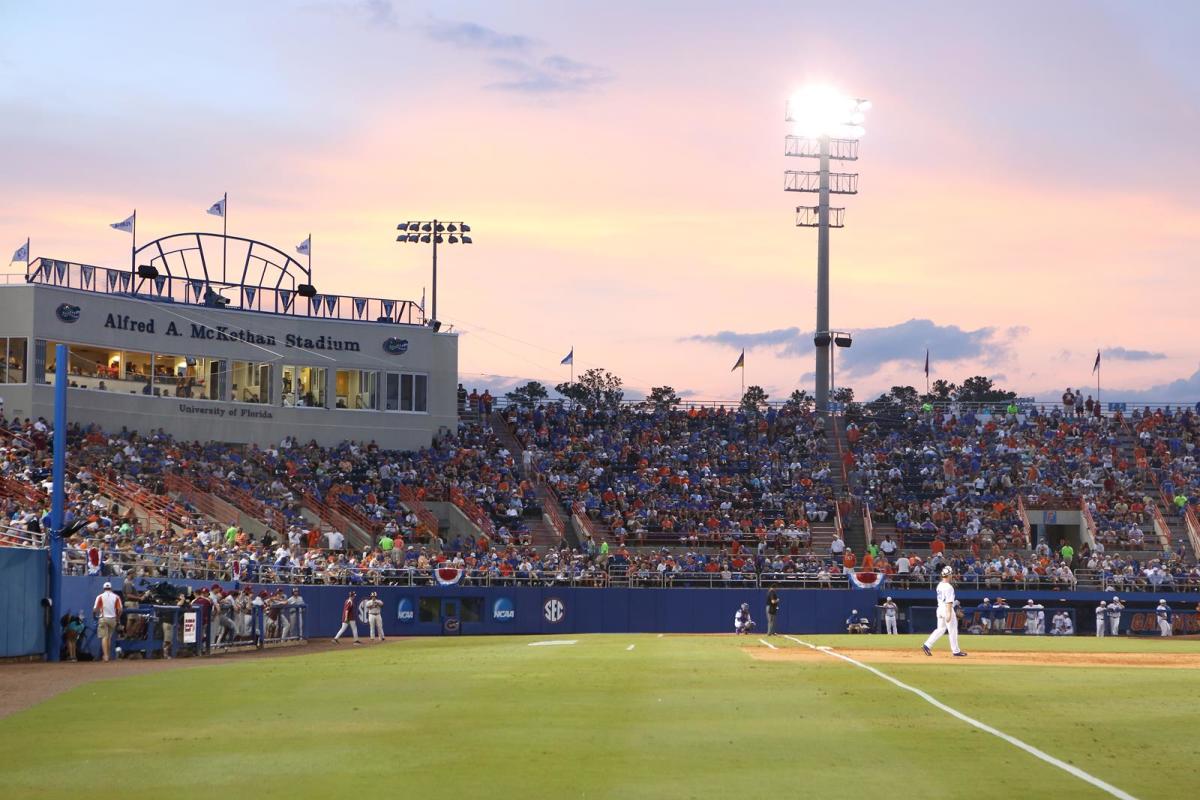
849 560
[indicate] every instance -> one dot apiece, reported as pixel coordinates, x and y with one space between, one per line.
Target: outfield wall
426 610
558 611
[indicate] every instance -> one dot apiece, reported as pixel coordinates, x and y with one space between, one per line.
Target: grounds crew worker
108 608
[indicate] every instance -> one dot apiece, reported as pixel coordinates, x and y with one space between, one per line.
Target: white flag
217 209
125 225
22 254
304 246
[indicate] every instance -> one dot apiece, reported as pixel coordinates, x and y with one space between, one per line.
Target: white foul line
768 644
629 648
1014 741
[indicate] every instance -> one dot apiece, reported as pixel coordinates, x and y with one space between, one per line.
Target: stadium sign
503 610
404 610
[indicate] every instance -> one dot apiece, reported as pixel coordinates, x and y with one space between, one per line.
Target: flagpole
224 236
133 249
572 363
1098 378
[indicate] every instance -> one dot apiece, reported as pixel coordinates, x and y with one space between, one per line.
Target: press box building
217 338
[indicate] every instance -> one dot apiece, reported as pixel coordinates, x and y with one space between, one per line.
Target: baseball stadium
265 531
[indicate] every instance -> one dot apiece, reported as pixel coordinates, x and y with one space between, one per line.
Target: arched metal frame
187 273
259 257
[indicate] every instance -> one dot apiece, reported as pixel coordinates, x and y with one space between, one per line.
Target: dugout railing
151 630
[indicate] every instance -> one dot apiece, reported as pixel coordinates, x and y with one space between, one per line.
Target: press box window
251 382
404 391
13 353
356 389
304 387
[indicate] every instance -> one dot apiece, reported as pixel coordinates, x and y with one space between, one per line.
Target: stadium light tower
826 125
435 233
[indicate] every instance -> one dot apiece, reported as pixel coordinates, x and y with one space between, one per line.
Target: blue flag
22 253
304 247
1096 366
217 209
569 358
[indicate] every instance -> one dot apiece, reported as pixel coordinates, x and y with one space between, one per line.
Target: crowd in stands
729 496
701 476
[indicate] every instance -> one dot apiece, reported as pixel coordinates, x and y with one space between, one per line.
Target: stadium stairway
853 530
544 531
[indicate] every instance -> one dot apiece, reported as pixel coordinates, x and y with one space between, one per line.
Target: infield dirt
988 658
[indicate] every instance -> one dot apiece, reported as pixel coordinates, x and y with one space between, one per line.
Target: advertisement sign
503 610
189 627
554 610
404 610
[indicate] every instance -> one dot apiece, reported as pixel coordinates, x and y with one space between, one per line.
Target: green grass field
677 716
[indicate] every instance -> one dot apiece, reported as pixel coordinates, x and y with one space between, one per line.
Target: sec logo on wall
554 610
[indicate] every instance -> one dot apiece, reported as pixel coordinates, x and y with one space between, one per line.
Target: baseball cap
947 572
107 585
889 600
985 600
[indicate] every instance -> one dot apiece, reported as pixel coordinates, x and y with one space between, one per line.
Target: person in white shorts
947 619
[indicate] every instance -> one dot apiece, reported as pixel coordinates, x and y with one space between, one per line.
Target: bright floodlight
817 111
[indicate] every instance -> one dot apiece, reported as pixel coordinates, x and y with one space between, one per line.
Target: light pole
435 233
839 339
827 126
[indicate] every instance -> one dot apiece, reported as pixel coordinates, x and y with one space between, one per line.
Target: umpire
772 610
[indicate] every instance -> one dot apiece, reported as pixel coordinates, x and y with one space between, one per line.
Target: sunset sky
1030 186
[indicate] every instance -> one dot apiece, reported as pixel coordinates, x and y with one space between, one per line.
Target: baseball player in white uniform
375 616
889 617
742 623
1030 618
1114 615
1101 613
947 619
1163 612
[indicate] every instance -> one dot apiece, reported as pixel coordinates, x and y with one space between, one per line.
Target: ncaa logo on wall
554 610
404 610
503 611
67 312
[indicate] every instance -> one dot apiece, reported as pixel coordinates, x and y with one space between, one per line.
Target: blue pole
58 501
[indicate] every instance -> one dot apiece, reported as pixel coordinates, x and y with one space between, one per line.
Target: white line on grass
1014 741
768 644
552 642
630 647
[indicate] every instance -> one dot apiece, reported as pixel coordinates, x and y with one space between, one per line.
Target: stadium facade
174 344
